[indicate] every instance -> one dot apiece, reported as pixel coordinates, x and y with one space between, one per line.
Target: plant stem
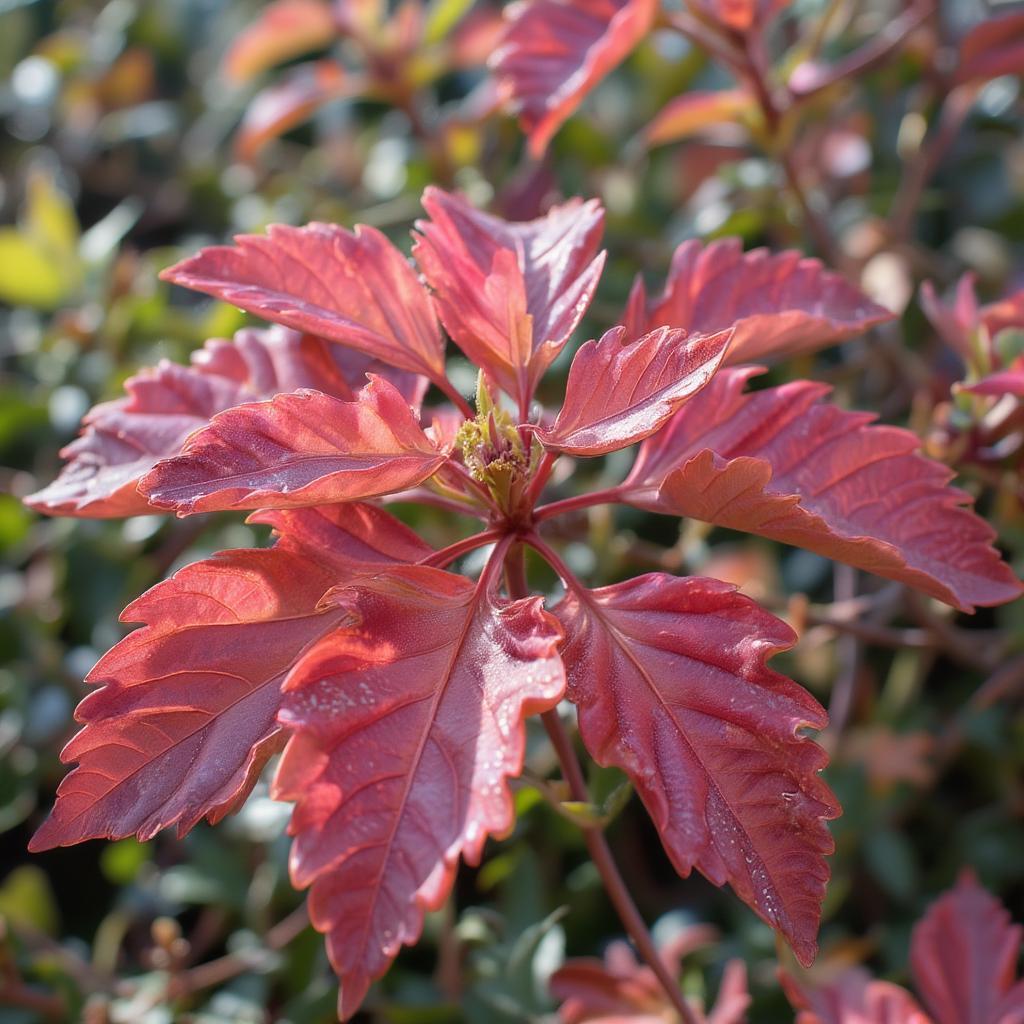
557 508
597 845
445 556
446 386
615 886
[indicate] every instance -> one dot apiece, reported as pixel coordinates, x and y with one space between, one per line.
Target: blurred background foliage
127 144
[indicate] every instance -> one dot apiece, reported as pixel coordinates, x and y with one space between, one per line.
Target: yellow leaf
29 274
50 218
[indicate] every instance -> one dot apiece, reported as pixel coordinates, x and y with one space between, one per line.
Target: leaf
778 464
510 294
351 287
993 48
554 52
302 448
964 958
853 998
693 112
283 106
742 15
670 679
1004 382
621 391
185 714
781 304
281 31
955 323
122 440
405 730
30 275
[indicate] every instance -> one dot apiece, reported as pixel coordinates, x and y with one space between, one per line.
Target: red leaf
303 448
510 294
354 288
281 31
672 687
693 112
853 998
556 51
780 303
124 439
619 990
743 15
777 463
955 323
964 958
1005 382
616 988
405 730
185 716
283 106
621 391
993 48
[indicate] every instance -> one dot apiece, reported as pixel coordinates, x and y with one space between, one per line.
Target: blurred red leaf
185 714
777 463
670 679
303 448
620 391
691 113
964 957
853 998
780 303
122 440
282 30
406 729
993 48
510 294
286 104
556 51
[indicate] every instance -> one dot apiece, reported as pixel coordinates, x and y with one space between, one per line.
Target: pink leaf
303 448
693 112
352 287
742 15
1004 382
956 322
780 303
853 998
964 957
777 463
510 294
670 679
185 716
281 31
621 391
556 51
122 440
993 48
405 731
286 104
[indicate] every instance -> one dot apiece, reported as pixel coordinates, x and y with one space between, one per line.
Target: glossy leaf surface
780 464
510 293
406 728
122 440
352 287
185 714
620 391
964 957
672 686
303 448
780 303
556 51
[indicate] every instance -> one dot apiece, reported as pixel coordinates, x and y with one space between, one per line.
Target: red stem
557 508
446 386
572 772
439 559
